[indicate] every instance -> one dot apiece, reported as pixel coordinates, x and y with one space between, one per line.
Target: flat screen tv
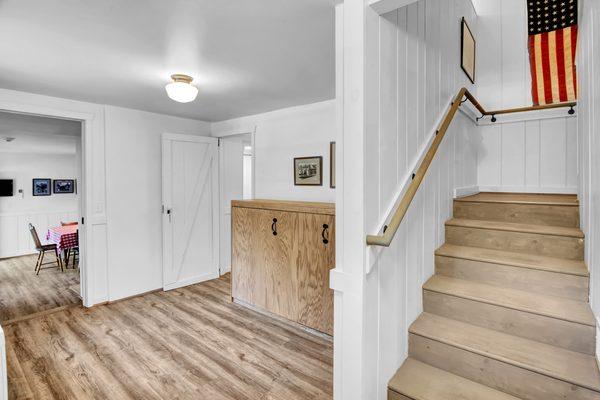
6 187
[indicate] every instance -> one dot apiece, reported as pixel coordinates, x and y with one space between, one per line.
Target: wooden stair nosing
508 258
420 381
437 282
526 345
514 227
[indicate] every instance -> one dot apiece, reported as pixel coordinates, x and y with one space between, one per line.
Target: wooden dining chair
42 249
73 252
68 223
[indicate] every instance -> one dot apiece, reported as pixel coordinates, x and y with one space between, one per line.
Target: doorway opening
41 186
236 180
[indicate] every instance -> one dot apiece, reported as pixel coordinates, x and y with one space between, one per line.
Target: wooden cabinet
282 252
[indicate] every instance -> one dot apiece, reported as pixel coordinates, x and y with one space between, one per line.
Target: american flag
552 26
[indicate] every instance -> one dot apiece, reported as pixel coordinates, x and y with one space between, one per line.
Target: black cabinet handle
274 227
325 233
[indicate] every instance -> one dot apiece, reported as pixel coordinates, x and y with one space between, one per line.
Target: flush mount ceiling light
181 88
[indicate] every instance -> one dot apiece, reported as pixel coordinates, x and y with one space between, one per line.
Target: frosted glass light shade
181 89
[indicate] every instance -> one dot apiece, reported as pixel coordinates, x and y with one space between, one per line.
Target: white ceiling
247 56
38 135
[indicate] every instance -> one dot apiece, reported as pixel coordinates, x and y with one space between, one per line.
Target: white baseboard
529 189
465 191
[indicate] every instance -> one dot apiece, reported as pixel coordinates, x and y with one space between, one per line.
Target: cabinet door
247 272
280 247
316 256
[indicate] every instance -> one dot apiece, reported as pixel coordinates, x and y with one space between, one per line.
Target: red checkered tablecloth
65 237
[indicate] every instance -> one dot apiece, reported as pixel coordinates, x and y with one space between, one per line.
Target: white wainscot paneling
538 156
15 239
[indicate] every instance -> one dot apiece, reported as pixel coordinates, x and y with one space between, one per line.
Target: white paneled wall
14 229
588 68
413 71
529 156
503 77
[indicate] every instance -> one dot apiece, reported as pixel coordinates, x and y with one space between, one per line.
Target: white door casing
231 171
190 210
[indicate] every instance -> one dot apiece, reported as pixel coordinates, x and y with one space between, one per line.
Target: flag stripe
560 61
546 69
569 65
534 84
553 68
538 67
573 53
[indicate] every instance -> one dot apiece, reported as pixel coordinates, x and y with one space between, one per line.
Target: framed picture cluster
308 171
45 186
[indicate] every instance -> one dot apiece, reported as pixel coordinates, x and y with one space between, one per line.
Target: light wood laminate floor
22 292
189 343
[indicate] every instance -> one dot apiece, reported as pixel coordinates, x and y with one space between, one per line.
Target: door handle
325 233
274 227
169 214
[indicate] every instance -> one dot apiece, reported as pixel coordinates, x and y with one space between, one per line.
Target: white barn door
190 210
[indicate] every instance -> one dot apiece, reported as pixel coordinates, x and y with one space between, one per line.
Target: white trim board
385 6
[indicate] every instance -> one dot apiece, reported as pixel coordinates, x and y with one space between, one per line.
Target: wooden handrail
388 234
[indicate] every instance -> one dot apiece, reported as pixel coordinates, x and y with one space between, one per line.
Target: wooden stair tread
524 260
549 306
523 198
514 227
420 381
568 366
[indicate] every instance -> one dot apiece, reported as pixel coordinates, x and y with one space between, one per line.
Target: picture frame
308 171
467 50
63 186
41 187
332 165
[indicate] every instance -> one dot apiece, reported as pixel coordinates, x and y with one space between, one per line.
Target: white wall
134 196
279 137
18 211
23 168
519 153
588 65
412 72
536 156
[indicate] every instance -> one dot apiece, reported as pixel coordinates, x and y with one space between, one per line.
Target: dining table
65 237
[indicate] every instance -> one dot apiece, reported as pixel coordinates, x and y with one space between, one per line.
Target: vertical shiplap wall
535 155
588 68
529 156
412 72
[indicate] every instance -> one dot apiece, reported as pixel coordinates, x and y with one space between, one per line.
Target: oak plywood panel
280 263
315 260
279 258
247 275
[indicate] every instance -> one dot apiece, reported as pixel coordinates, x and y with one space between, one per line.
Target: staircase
506 316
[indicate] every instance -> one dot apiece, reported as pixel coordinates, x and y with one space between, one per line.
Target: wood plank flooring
189 343
23 293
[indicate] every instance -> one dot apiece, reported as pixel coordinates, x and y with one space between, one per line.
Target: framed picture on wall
332 165
467 51
308 171
62 186
42 186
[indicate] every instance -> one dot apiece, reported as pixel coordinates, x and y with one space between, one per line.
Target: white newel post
348 276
